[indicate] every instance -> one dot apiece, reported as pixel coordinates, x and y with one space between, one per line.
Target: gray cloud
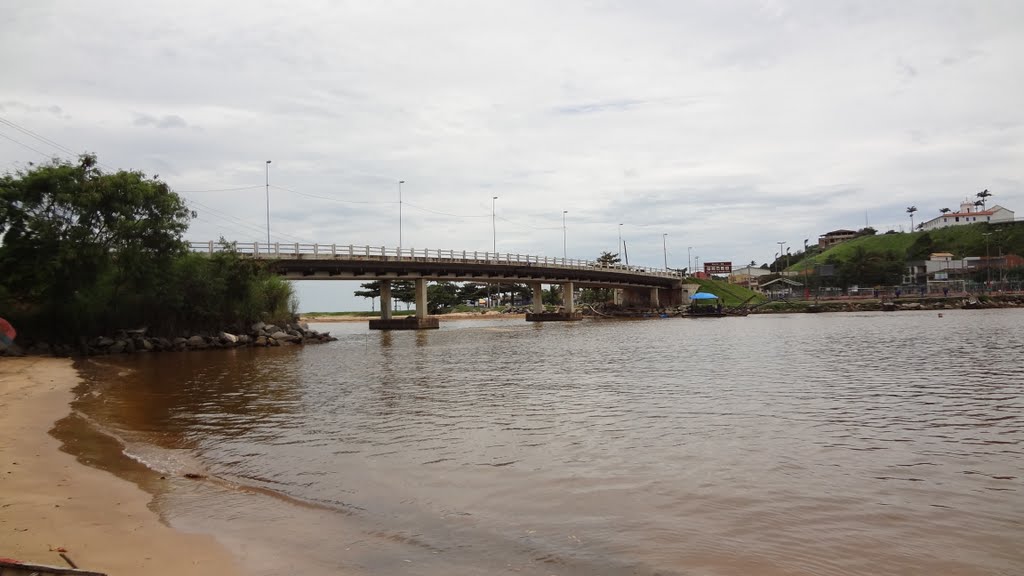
728 127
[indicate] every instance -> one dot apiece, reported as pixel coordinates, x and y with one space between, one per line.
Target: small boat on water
11 567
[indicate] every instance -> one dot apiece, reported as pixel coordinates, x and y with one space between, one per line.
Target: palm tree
911 210
979 203
944 210
984 194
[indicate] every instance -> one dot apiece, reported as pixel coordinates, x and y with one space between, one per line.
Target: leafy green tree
442 296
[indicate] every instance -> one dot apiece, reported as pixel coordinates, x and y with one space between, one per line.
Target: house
747 276
834 237
969 214
780 287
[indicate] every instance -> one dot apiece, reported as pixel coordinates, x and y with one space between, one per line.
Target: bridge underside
637 289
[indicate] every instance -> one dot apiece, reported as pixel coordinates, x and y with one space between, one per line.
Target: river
828 444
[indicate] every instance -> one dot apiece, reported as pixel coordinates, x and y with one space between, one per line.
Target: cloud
725 127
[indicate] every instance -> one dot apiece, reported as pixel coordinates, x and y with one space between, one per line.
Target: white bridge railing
300 251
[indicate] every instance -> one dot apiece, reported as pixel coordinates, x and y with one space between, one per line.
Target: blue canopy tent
703 296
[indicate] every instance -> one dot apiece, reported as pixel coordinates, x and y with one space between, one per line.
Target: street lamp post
689 260
494 228
268 204
620 243
664 248
564 212
696 261
400 182
781 244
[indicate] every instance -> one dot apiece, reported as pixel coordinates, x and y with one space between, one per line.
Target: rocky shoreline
132 341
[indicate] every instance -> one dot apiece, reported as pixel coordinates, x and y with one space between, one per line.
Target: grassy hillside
731 294
962 241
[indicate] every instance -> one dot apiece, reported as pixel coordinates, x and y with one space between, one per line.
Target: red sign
718 267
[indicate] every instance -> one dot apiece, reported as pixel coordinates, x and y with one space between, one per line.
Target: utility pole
781 244
689 260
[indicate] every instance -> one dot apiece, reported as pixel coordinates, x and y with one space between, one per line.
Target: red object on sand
7 330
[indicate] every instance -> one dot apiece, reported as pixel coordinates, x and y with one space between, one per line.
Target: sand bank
48 500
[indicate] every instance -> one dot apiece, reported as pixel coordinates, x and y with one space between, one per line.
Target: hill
961 241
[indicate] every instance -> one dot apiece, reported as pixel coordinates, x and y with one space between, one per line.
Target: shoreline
51 501
442 317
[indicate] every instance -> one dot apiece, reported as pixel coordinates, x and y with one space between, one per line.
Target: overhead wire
23 145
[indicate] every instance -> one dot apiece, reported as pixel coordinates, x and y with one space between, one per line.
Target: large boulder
102 342
281 336
257 327
118 347
228 338
244 339
261 341
197 342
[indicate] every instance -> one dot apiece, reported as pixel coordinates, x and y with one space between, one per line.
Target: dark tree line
86 252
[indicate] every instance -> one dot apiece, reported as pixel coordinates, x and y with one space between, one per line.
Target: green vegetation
731 294
87 253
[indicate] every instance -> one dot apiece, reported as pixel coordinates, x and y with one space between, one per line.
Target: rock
270 329
197 342
261 341
228 338
273 342
257 327
244 339
117 347
283 336
143 344
304 326
102 342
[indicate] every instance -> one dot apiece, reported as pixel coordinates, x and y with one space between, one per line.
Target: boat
11 567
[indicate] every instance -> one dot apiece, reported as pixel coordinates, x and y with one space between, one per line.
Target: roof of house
786 281
838 233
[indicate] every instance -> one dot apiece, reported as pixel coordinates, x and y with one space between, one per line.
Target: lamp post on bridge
689 261
564 212
664 248
619 249
494 244
267 205
400 182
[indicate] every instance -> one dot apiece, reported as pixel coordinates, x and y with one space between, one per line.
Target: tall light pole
268 204
664 248
620 243
564 212
689 261
494 227
696 261
781 251
400 182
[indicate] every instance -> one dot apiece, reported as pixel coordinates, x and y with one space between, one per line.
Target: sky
706 129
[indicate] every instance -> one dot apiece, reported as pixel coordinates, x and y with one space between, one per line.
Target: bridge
635 285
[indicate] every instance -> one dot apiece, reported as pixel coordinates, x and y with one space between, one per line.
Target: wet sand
48 500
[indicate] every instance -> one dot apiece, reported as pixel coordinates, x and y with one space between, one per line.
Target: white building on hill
969 214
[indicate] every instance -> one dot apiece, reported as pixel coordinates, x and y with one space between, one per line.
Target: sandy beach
48 500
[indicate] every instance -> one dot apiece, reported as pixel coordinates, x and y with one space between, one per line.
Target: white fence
300 251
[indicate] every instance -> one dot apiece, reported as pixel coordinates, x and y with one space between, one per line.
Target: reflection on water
804 444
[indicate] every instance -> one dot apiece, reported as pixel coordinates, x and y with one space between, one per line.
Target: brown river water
828 444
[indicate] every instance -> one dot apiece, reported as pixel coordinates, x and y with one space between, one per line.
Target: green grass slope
962 241
731 294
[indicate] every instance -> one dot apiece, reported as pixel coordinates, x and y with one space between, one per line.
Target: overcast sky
728 126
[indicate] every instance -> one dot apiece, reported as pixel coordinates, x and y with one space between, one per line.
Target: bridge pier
566 314
418 322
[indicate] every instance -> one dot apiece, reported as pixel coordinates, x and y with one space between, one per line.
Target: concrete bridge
635 285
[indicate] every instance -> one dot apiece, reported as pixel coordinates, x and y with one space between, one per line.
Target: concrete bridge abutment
421 321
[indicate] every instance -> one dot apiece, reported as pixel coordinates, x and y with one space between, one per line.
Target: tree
442 296
911 210
402 290
608 259
75 238
944 210
983 195
867 231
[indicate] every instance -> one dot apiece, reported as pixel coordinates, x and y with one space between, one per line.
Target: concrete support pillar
654 298
385 299
567 304
421 298
538 297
